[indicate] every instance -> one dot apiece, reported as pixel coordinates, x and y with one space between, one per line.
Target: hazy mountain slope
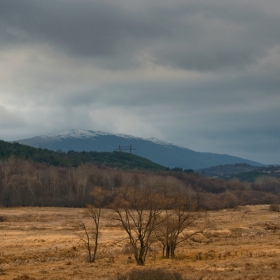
153 149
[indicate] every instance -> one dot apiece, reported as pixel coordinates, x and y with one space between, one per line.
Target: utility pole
125 148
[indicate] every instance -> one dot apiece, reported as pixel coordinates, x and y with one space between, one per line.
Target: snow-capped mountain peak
82 134
154 149
75 133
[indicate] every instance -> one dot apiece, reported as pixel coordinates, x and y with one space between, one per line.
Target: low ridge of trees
27 183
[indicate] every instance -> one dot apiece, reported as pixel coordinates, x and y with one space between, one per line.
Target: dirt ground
43 243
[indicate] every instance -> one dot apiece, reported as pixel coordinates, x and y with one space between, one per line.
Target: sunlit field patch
43 243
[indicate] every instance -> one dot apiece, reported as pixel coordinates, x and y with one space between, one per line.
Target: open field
42 243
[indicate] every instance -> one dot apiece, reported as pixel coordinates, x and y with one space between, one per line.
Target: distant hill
243 172
227 170
158 151
74 158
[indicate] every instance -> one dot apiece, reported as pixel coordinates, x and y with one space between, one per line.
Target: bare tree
91 234
175 221
139 213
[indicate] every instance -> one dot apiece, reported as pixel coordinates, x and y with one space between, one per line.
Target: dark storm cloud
88 28
200 35
221 37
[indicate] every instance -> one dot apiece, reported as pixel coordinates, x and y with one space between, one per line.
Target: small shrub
248 266
24 277
150 274
275 207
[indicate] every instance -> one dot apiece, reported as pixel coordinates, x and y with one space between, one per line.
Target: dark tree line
25 183
74 158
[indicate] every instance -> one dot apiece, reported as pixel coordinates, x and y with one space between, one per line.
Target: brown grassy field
42 243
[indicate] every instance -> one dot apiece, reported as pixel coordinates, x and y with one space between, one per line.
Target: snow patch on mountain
152 139
160 142
82 134
75 133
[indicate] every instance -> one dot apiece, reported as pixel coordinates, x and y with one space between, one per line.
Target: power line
125 148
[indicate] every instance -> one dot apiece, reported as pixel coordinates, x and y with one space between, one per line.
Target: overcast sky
204 74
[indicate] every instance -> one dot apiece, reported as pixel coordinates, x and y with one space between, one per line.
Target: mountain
153 149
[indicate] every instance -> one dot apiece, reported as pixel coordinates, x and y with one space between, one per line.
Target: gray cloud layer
202 74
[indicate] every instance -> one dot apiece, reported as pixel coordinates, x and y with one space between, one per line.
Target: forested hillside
74 159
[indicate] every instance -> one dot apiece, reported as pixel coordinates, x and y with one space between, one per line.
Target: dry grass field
43 243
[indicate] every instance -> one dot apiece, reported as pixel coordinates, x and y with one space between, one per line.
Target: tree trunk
140 255
172 249
139 261
169 250
166 251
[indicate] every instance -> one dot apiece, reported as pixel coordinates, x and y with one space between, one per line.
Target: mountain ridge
80 133
156 150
